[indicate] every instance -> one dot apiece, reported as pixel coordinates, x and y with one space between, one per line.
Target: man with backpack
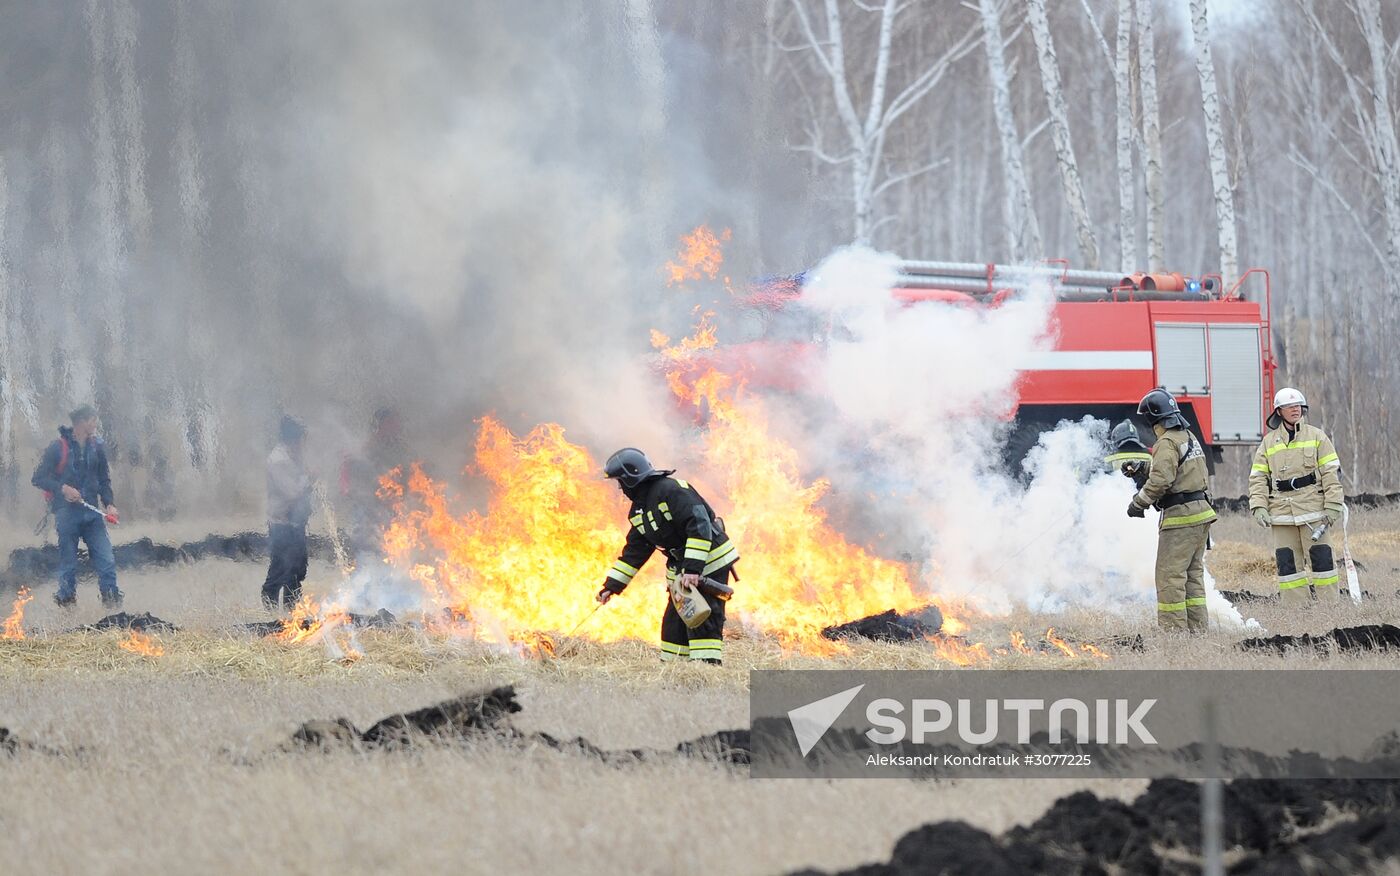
77 483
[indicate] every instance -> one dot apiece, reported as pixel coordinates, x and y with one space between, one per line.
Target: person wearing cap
670 515
1177 485
288 510
76 479
1295 489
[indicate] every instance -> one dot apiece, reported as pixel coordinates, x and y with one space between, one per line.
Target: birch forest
211 214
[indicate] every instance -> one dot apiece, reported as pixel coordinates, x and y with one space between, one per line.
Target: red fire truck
1116 337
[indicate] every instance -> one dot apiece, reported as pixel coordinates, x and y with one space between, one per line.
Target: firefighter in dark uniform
1129 454
668 514
1176 485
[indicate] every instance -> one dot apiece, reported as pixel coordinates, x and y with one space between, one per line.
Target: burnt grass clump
889 626
1317 826
1368 637
29 564
380 620
484 716
141 623
12 746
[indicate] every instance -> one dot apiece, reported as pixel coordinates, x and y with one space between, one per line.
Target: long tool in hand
588 617
578 626
110 518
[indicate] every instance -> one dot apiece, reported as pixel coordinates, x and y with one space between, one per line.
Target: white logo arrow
810 722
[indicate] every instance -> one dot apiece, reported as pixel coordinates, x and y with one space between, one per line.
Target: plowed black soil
1316 826
485 716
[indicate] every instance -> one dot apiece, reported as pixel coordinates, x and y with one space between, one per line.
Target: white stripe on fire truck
1089 360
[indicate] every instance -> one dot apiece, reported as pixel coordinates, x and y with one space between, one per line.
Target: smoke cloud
928 389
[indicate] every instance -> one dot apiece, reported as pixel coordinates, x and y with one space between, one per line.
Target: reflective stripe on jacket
669 515
1284 457
1178 466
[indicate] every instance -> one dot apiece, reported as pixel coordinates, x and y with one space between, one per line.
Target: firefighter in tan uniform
1294 488
1177 486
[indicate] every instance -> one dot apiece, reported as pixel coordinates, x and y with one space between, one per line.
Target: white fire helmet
1289 396
1282 399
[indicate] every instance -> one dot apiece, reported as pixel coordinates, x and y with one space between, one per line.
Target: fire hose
1353 583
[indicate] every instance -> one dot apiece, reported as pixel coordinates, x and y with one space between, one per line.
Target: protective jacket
667 514
1178 481
1295 475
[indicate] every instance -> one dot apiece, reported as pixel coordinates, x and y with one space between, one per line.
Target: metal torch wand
110 518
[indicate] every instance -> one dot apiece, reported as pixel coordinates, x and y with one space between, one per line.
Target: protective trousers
705 642
1181 579
1302 561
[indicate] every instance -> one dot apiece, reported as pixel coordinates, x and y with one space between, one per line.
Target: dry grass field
170 765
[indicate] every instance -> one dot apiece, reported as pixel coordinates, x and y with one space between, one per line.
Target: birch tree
1127 190
1059 128
1374 119
1226 231
1022 230
1151 137
866 132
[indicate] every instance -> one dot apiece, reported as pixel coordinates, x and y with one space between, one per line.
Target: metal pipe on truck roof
1062 292
1004 274
979 287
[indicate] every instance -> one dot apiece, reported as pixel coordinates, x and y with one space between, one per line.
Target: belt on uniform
1292 484
1171 500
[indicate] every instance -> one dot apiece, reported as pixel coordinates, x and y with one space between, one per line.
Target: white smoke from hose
926 390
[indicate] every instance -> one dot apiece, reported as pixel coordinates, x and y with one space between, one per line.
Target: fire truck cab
1115 338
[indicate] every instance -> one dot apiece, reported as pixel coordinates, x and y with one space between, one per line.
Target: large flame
14 624
533 558
528 564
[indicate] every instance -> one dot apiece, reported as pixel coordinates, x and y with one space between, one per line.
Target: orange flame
1018 643
140 643
14 624
1092 650
310 622
701 256
1059 643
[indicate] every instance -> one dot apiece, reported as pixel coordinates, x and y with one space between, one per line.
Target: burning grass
14 624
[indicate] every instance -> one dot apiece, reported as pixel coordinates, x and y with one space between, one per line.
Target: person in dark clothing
668 514
288 510
73 473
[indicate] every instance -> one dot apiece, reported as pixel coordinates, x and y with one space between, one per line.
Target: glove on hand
608 592
1135 511
1262 517
1333 513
